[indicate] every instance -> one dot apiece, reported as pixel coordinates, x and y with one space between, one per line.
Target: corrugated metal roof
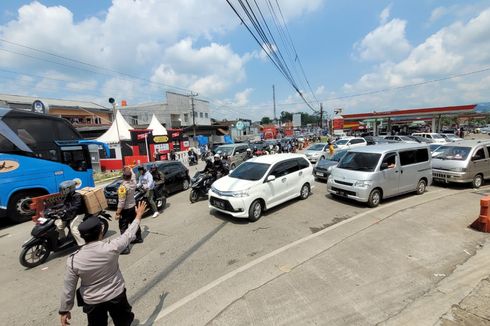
21 99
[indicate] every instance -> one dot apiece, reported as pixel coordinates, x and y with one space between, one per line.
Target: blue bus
37 153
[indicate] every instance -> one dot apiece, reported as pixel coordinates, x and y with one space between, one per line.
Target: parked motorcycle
200 185
159 196
45 237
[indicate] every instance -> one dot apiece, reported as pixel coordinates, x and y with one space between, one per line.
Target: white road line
231 274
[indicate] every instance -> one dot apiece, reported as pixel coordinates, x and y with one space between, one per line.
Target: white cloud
209 70
242 98
385 14
386 42
458 48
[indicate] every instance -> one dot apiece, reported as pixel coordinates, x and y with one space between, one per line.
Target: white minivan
371 173
262 183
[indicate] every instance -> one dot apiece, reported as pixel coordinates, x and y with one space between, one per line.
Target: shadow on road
166 271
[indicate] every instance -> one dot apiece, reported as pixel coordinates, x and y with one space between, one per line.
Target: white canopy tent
156 127
111 137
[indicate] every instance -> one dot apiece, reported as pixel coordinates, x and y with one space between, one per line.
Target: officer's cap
89 226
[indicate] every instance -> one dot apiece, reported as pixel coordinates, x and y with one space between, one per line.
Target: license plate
341 193
219 204
111 201
320 174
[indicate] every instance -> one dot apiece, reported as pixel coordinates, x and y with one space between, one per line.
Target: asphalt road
185 248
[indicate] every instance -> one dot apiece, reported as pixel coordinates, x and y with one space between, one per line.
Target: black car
176 179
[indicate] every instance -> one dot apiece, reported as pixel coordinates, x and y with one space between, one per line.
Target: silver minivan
462 162
236 153
371 173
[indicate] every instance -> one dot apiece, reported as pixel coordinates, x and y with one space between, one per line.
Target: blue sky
347 48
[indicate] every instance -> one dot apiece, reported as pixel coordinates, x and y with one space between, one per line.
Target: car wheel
477 181
255 210
305 191
374 198
322 158
421 186
185 184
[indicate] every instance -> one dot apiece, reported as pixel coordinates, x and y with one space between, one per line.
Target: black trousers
119 309
127 217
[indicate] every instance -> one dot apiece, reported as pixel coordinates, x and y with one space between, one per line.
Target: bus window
76 158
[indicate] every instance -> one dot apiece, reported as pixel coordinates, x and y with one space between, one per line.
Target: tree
286 116
265 121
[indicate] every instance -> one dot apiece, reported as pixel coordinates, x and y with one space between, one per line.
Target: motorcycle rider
218 166
226 163
146 182
249 155
192 156
72 206
158 177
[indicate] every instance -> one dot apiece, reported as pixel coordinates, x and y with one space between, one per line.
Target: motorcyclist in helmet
158 178
226 163
209 168
249 155
72 206
218 166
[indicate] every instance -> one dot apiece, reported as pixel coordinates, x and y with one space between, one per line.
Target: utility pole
193 117
274 101
321 115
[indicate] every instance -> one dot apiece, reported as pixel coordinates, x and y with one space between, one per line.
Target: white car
436 138
316 152
350 142
262 183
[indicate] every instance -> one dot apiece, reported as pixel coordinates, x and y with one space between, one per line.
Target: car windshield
316 147
434 147
228 150
341 142
455 153
359 161
250 171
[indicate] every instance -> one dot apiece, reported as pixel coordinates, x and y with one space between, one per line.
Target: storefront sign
160 139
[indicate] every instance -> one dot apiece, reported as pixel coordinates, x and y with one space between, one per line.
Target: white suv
262 183
350 142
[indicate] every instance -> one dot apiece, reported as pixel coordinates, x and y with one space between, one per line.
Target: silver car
316 152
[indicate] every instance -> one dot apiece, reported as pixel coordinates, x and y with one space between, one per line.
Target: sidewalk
411 261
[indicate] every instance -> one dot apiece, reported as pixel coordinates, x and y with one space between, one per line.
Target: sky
361 56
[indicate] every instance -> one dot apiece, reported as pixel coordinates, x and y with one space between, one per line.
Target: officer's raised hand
140 210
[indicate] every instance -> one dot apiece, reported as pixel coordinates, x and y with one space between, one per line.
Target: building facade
175 113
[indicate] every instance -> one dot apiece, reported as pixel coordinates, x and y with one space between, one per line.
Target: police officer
102 287
125 212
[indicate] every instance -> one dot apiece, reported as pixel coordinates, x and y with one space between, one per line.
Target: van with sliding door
467 161
371 173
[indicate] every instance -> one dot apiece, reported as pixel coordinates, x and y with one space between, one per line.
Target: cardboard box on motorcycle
94 199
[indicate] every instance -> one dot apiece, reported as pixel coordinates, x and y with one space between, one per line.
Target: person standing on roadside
125 212
96 264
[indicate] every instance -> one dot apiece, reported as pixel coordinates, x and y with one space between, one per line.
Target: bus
37 153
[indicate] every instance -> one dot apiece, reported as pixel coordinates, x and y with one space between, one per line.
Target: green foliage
265 121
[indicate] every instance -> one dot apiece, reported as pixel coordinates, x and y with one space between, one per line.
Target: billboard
297 120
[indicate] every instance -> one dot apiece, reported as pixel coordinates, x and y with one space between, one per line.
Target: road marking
259 260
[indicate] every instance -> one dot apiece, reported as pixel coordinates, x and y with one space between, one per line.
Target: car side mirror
384 165
476 158
270 178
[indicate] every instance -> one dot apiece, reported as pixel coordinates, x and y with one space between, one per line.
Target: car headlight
458 169
362 184
315 154
239 194
213 189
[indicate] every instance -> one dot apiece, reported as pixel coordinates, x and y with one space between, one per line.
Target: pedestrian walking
96 264
125 212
